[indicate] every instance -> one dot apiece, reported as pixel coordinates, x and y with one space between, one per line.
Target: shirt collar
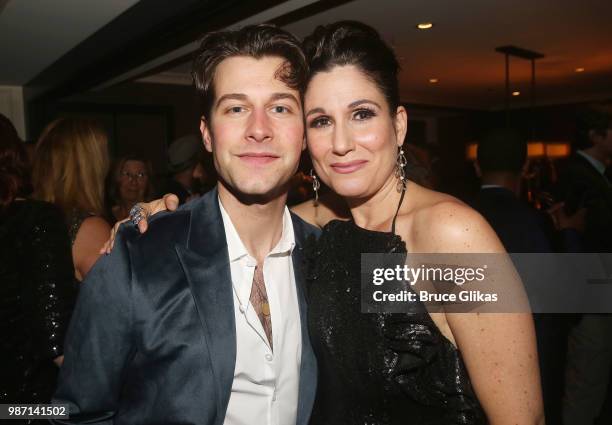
236 249
599 166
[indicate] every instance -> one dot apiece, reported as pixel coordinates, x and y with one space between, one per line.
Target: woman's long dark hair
14 165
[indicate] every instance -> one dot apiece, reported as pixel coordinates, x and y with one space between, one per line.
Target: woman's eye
363 114
320 122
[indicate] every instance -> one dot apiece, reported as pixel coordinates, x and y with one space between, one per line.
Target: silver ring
137 214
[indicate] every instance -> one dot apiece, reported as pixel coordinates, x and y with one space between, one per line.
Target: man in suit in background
202 320
501 158
584 184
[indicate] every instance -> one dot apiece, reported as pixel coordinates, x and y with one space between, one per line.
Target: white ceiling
460 49
35 33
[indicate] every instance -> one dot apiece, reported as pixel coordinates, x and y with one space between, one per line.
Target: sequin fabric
74 221
36 297
377 369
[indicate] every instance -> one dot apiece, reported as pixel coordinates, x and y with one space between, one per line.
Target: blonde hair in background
70 165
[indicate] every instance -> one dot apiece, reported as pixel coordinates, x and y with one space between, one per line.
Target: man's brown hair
254 41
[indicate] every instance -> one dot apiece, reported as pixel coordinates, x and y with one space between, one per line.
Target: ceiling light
579 69
433 80
424 25
516 93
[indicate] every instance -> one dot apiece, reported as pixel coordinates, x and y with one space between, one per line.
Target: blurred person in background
70 165
130 183
183 156
585 185
36 271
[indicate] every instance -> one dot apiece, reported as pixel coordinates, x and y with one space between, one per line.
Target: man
183 155
202 320
501 158
584 184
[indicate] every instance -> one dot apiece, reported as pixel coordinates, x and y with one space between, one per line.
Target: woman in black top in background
37 283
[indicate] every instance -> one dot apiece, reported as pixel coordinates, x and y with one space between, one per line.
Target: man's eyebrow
231 96
315 111
279 96
361 102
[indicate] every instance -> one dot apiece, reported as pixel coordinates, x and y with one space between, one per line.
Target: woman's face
133 181
352 136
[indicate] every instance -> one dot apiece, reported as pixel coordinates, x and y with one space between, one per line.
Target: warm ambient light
425 25
516 93
536 149
558 149
433 80
471 150
579 69
552 150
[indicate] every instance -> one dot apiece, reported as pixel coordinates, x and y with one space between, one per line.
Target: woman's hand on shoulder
169 202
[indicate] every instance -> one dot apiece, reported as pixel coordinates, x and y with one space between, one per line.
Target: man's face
606 144
256 130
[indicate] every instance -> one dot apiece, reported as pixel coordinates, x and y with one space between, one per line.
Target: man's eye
320 122
279 109
236 109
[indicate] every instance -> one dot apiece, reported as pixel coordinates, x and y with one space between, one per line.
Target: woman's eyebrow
361 102
315 111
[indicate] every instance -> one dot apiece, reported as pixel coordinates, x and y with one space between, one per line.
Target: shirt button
242 309
269 357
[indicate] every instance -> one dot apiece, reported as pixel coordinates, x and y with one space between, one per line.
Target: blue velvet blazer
152 339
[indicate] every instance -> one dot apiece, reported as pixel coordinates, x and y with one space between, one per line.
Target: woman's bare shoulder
438 222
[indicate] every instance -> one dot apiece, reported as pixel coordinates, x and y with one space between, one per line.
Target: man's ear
401 124
595 137
206 136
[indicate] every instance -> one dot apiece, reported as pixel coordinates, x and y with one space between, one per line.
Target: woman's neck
377 211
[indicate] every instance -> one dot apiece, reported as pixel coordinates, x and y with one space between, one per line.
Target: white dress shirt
265 387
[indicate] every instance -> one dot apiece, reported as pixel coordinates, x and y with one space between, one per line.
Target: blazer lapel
206 265
308 368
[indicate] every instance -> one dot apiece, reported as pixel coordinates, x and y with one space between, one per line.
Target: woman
131 183
37 290
421 368
70 164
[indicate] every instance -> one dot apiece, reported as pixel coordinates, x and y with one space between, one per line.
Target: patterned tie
259 301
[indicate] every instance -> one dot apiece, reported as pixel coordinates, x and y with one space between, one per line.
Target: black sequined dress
37 293
377 369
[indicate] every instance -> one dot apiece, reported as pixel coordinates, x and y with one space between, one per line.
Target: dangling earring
400 171
316 185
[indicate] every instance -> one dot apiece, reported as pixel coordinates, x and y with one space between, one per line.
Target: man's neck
597 155
259 224
510 181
